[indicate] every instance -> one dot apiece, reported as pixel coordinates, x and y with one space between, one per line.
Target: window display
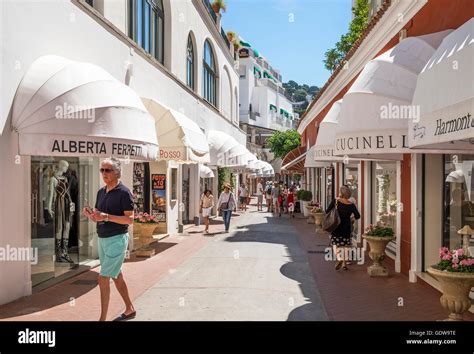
458 198
140 186
384 196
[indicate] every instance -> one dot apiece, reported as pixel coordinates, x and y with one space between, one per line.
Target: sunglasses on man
106 170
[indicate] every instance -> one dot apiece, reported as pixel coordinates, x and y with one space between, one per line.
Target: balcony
207 3
226 40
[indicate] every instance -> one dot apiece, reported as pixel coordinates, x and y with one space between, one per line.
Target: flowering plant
379 230
455 261
145 218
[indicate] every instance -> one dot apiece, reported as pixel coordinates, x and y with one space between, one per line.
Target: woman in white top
207 203
226 205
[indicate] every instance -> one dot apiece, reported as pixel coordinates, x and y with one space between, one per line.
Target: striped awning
294 161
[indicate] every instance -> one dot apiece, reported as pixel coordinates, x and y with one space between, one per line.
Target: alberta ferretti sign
48 145
372 142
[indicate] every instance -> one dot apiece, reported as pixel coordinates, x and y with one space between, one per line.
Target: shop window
458 197
351 181
141 197
384 196
147 26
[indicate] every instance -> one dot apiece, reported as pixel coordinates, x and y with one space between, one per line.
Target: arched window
190 63
147 26
209 75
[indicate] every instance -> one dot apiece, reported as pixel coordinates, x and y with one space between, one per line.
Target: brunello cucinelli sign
321 152
49 145
367 143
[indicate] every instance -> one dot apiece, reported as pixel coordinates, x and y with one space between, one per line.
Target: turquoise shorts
112 251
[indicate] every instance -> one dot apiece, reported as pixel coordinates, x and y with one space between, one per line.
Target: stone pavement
257 272
266 268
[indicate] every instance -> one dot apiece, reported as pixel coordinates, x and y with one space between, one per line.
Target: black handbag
331 220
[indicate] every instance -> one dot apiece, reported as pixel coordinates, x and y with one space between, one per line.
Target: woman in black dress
341 236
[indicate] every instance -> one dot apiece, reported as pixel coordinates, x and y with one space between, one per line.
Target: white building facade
170 53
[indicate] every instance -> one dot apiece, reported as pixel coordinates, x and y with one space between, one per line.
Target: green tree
281 143
299 95
334 56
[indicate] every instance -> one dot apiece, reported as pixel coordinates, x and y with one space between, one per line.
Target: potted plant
306 197
218 5
455 272
378 236
145 225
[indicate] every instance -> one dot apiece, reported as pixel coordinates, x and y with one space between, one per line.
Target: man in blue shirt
113 213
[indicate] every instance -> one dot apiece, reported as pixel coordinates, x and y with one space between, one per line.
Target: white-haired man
113 213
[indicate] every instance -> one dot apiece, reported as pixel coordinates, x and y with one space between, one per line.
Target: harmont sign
454 125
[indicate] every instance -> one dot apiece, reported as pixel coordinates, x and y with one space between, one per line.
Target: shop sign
172 154
369 143
323 152
50 145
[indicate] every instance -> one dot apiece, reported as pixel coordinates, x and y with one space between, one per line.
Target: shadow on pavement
282 231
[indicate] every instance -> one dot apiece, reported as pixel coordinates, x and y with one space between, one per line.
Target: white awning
323 152
225 151
68 108
181 138
376 109
311 162
445 95
205 172
276 164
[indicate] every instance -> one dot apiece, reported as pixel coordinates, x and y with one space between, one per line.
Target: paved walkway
257 272
266 268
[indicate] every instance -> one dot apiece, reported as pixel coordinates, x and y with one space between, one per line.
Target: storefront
66 116
373 126
183 148
324 155
445 132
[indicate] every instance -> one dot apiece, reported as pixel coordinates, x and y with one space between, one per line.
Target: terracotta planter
216 8
377 254
456 288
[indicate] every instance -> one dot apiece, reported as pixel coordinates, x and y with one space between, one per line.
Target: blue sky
295 48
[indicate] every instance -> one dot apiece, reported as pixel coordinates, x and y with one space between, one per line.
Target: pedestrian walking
341 236
268 196
207 203
291 202
243 195
113 213
276 198
226 204
260 193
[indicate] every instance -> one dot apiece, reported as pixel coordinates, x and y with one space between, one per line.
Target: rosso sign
173 154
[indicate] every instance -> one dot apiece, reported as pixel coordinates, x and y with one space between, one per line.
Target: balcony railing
226 40
211 11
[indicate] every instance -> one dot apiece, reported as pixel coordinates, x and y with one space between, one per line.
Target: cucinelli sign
371 143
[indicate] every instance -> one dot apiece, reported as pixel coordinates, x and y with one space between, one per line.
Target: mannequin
60 209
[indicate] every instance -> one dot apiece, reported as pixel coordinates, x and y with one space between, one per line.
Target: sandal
338 265
345 268
124 317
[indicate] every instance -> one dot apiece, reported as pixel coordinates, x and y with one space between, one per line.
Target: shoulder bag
331 220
